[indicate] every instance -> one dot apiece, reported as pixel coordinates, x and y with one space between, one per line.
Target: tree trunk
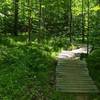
70 21
16 7
40 21
29 20
88 30
83 36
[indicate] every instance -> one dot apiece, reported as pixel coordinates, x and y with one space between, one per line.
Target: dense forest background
32 33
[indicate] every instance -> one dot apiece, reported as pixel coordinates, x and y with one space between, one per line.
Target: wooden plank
72 76
81 97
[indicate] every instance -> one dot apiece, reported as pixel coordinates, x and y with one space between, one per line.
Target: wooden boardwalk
72 75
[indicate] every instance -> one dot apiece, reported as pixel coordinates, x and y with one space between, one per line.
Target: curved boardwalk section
72 75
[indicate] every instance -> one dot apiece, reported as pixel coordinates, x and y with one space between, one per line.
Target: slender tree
97 26
83 35
40 21
70 20
88 28
16 8
29 19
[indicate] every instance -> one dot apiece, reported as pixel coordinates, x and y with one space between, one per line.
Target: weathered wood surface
72 75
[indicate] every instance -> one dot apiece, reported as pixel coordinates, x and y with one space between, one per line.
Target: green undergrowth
25 70
93 62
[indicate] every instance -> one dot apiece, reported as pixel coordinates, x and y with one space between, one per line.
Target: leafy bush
24 71
94 65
